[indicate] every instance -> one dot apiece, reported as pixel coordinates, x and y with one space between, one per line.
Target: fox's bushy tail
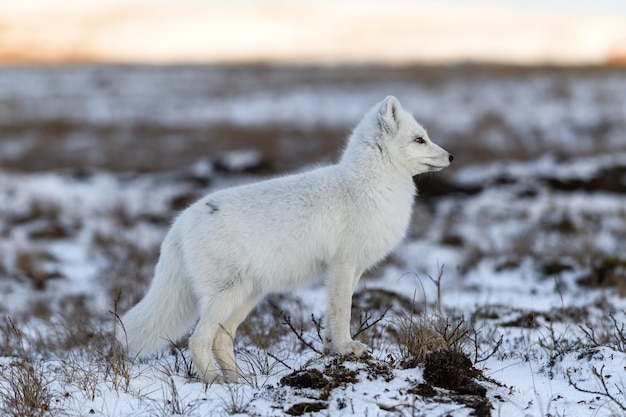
167 311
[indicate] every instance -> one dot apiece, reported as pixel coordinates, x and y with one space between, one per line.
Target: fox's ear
389 115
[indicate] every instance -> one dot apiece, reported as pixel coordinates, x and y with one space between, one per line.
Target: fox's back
281 229
289 228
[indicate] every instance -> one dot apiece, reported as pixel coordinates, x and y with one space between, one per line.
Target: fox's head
407 140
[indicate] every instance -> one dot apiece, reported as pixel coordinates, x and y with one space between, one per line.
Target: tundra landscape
507 298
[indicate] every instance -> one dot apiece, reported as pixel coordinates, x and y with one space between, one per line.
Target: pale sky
314 31
610 6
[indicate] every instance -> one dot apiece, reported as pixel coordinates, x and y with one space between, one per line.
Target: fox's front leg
340 283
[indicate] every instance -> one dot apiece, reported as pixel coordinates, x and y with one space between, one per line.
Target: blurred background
156 85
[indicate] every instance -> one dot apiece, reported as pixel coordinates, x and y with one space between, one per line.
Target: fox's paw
352 347
236 377
213 376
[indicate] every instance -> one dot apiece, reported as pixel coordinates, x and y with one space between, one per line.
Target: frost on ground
507 298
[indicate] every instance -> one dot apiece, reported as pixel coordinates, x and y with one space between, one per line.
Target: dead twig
365 323
299 334
605 389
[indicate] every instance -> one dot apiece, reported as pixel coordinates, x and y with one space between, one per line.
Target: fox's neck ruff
372 166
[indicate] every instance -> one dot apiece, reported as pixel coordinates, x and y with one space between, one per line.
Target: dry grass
606 271
25 392
36 266
418 335
87 358
150 148
23 383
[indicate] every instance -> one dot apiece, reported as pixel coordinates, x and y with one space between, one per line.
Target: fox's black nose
450 157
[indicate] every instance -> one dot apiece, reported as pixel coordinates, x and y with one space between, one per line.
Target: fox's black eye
419 139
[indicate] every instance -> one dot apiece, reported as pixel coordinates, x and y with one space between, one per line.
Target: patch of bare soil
453 370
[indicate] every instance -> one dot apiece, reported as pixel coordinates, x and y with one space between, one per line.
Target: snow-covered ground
522 244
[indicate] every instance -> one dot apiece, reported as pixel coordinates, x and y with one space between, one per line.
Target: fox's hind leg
213 312
223 344
200 345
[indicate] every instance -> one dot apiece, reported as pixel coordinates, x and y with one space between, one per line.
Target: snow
241 160
489 247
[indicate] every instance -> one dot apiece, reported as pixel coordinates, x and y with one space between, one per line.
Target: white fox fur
228 249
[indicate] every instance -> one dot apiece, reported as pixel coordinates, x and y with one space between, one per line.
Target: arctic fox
228 249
